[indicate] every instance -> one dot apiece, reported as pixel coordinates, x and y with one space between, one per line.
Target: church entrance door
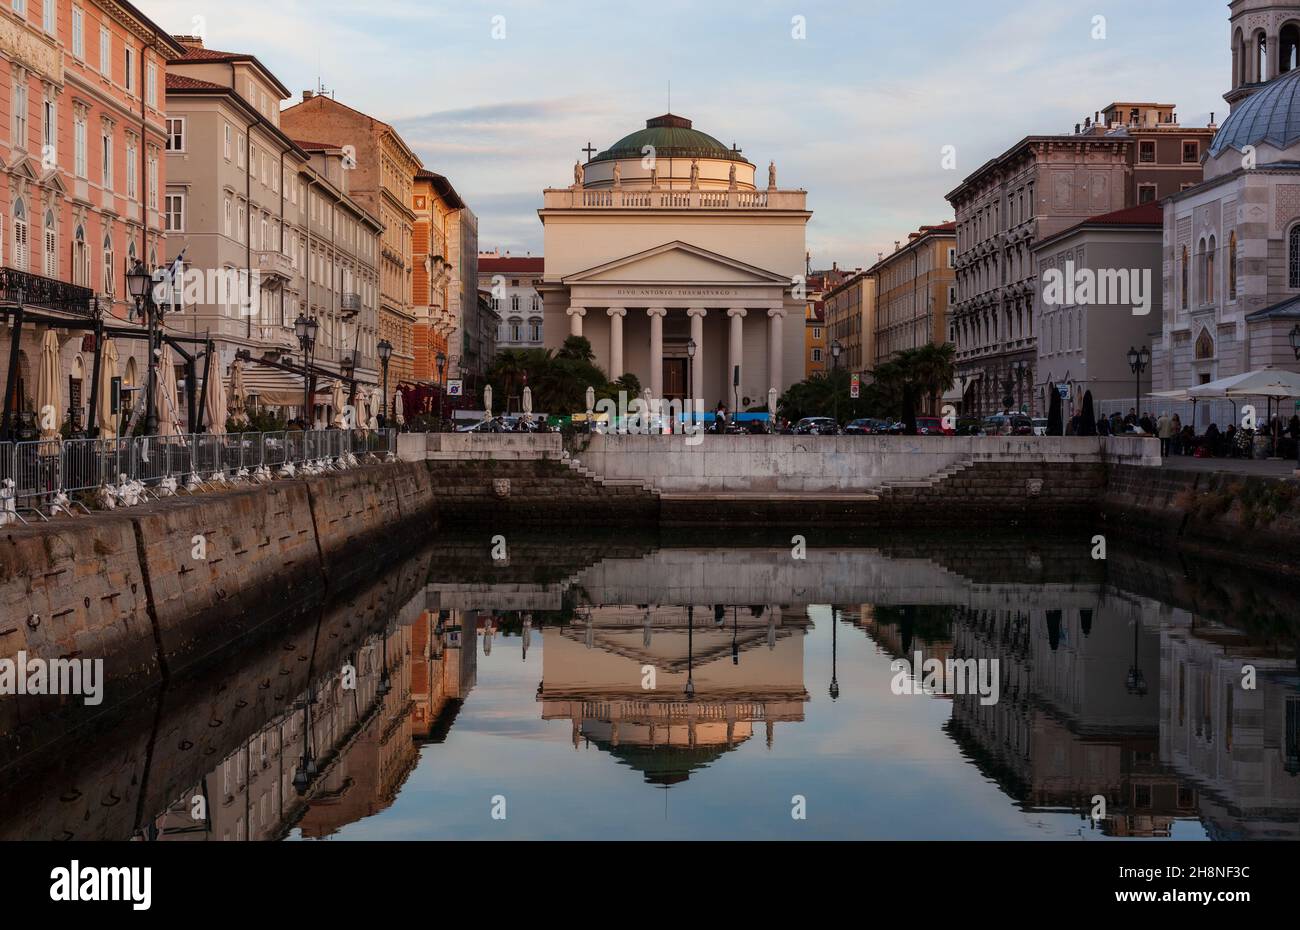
675 377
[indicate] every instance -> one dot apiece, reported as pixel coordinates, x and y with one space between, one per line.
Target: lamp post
1022 370
1138 359
692 348
139 282
385 349
306 328
836 349
441 360
1295 347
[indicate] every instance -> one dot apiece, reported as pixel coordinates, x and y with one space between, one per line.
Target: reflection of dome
672 137
665 765
1270 116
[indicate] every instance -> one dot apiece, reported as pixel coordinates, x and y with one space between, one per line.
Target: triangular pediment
677 263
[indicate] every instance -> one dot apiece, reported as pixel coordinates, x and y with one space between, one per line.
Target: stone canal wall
1247 520
154 588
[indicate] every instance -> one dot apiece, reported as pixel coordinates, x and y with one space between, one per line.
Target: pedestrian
720 418
1165 430
1176 434
1103 426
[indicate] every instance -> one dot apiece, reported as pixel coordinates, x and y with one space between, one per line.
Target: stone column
697 315
657 315
1274 58
616 315
775 355
575 320
736 349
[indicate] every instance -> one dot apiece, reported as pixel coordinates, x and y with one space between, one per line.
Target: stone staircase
576 466
923 483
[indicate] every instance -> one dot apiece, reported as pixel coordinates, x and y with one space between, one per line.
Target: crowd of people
1178 438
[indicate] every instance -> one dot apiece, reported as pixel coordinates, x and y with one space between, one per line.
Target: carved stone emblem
501 487
1034 487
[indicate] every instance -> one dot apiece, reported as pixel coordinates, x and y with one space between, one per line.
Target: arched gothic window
1232 265
22 257
51 245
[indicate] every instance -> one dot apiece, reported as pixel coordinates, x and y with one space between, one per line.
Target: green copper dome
672 137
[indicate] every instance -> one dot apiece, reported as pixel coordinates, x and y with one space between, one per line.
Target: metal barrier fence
43 469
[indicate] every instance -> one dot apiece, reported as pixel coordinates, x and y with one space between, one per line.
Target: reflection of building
361 743
718 673
1077 714
1241 745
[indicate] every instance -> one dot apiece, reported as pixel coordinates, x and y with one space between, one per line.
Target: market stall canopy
272 387
1266 382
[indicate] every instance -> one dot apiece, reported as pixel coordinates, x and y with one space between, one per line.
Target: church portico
681 271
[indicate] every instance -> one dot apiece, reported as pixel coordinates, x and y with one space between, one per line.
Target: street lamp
692 348
836 349
306 328
385 349
1295 341
1138 359
441 360
139 283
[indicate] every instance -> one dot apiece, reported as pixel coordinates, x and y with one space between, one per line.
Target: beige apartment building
850 311
1041 186
915 287
382 180
250 205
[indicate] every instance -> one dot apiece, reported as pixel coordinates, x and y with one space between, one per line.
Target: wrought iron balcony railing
33 290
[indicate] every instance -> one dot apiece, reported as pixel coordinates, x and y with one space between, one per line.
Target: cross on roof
590 150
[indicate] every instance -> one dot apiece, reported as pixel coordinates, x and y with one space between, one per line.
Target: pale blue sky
857 112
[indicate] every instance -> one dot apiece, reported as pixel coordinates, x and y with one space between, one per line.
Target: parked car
969 426
866 427
1013 424
816 426
1040 426
932 426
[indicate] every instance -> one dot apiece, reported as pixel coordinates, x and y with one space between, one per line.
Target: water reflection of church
720 673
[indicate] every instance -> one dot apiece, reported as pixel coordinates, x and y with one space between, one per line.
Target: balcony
32 290
350 303
276 266
569 198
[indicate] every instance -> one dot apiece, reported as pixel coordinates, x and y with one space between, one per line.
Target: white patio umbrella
107 371
398 408
528 400
164 395
49 399
215 408
336 401
487 399
375 404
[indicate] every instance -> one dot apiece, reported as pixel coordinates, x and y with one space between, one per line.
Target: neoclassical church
1232 242
666 239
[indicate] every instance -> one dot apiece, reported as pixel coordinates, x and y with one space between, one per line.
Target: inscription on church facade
678 292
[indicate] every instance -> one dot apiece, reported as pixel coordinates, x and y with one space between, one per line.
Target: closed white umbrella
164 395
398 409
336 401
238 392
49 399
215 409
107 371
375 403
487 399
528 400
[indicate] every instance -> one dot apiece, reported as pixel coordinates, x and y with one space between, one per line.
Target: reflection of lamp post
385 349
835 682
1135 682
836 349
441 360
305 328
385 683
140 284
1138 359
690 651
302 775
692 347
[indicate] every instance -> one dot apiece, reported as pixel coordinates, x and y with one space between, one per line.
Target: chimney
308 94
1076 129
189 41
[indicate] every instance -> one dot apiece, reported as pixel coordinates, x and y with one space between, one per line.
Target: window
1185 276
80 255
816 355
78 33
1146 193
109 271
176 135
130 72
79 145
1211 292
49 130
132 167
175 213
240 150
22 258
49 16
152 191
20 111
952 258
226 216
1147 151
1293 257
1191 152
817 332
1232 265
229 141
105 54
106 141
51 246
151 84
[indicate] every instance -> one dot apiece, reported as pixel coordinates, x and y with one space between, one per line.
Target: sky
501 96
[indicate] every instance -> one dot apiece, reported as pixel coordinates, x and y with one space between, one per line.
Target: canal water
914 688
